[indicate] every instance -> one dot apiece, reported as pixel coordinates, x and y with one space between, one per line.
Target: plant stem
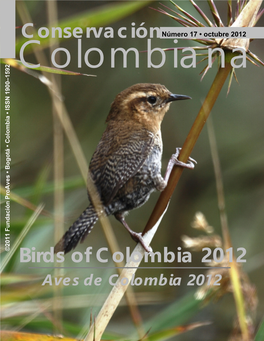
189 143
118 290
111 303
234 270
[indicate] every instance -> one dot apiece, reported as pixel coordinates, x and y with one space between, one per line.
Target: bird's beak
174 97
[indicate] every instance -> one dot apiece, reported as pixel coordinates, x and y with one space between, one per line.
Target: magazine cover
132 186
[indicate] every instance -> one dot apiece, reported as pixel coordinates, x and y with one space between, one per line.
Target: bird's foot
176 162
137 237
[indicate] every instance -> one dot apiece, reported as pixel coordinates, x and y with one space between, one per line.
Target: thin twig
234 271
118 290
58 159
189 143
120 287
21 236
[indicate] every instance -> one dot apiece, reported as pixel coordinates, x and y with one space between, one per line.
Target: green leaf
176 314
69 184
19 65
101 16
260 333
169 333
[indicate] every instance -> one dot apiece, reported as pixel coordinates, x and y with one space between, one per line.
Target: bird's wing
117 160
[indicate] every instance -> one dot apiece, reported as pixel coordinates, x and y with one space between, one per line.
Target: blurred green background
238 121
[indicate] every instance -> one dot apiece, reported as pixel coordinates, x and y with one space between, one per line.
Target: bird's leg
160 182
175 162
137 237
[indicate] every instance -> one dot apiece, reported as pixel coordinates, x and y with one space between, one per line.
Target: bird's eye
152 99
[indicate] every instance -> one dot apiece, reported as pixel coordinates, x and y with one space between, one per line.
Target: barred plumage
78 230
126 165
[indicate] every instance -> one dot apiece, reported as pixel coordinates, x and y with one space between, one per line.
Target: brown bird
126 165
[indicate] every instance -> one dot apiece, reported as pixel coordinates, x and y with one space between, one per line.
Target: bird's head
144 103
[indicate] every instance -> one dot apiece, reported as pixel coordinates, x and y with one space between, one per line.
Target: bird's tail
78 231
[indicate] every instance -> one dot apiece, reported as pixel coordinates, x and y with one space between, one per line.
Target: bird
126 165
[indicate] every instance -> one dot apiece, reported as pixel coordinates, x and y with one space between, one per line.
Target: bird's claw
190 164
137 237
